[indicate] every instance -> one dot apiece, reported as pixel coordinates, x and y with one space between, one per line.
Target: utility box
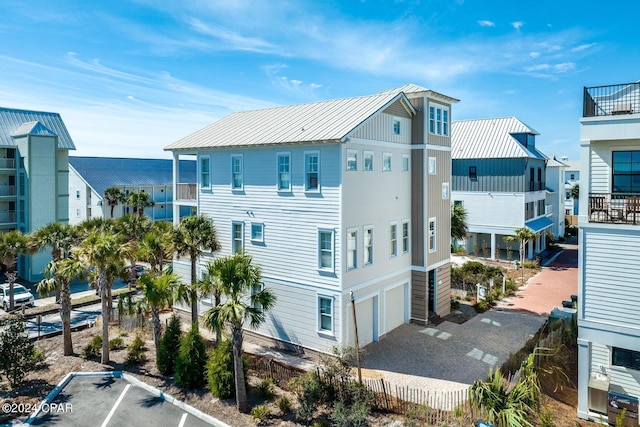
618 402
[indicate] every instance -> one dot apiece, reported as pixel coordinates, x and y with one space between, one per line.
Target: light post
355 326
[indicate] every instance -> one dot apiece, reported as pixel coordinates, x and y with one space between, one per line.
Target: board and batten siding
501 175
611 288
380 128
443 290
291 219
439 207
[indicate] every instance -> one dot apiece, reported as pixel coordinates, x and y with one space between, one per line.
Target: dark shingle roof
25 122
104 172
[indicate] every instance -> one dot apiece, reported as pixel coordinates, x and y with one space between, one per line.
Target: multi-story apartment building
571 178
555 195
34 177
609 245
499 177
332 197
89 177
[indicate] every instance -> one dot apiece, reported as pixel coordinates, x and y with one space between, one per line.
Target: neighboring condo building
332 197
572 178
609 244
555 197
89 177
34 177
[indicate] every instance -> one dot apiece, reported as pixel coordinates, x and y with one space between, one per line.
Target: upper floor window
405 237
368 161
237 240
368 245
256 288
626 358
325 314
438 120
386 162
77 194
352 249
205 172
396 126
445 190
312 171
257 232
432 165
573 176
432 234
325 249
626 172
284 172
352 160
405 163
236 172
473 173
393 240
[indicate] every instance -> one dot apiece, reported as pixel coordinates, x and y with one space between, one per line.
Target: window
205 172
386 162
368 161
473 173
393 240
405 163
78 213
256 288
352 160
257 232
237 237
284 172
368 245
77 194
325 314
432 234
625 358
438 120
396 126
445 191
312 171
236 172
573 176
352 249
325 250
432 165
626 172
405 237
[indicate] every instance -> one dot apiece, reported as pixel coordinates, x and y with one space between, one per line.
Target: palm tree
194 236
133 228
113 196
12 244
156 246
575 191
103 252
523 235
139 200
239 279
157 292
210 285
58 276
459 227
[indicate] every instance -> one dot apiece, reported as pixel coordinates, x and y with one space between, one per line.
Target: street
52 322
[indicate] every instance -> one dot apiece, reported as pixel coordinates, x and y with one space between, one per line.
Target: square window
432 165
352 252
386 162
368 245
393 240
284 172
237 237
205 172
405 163
396 126
325 250
256 288
312 171
257 232
352 160
325 314
236 172
368 161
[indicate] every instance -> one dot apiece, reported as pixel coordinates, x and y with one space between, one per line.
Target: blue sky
130 77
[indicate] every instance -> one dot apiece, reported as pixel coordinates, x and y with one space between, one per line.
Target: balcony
7 163
186 192
613 100
616 208
7 217
7 190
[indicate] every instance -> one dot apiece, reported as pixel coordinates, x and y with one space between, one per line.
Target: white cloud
534 55
485 23
537 67
564 67
517 24
582 47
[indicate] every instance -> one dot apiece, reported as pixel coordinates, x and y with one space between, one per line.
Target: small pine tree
16 350
169 347
192 360
220 374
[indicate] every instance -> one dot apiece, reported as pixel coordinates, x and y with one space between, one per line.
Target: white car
21 296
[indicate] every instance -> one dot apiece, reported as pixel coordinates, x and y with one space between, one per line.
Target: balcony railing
7 163
7 190
616 208
187 192
611 100
7 217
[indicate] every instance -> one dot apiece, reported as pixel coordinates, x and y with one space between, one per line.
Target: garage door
367 318
395 308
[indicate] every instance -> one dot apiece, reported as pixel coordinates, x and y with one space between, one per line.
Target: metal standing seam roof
25 122
490 138
105 172
411 88
304 123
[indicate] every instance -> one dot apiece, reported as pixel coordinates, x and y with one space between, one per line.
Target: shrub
220 374
93 349
481 306
116 343
284 404
191 360
16 350
265 389
169 347
260 412
455 304
546 417
38 355
310 395
531 263
135 351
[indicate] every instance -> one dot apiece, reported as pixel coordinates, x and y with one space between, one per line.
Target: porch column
493 246
530 249
584 353
176 175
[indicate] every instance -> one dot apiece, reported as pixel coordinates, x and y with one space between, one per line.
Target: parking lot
115 401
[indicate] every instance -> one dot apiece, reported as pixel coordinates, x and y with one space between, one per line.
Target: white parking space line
183 420
113 410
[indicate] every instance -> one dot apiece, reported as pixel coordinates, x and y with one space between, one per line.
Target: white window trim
364 245
432 166
435 235
445 191
384 156
233 157
391 242
253 292
355 249
233 237
393 126
319 329
200 160
278 156
349 153
442 108
408 237
364 155
261 225
408 159
306 180
333 250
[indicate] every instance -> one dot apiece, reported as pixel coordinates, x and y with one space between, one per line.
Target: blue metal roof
24 122
105 172
539 224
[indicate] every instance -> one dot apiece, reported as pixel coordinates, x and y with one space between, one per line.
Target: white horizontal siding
492 210
627 379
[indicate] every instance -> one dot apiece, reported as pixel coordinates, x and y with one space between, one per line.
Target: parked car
21 296
139 271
